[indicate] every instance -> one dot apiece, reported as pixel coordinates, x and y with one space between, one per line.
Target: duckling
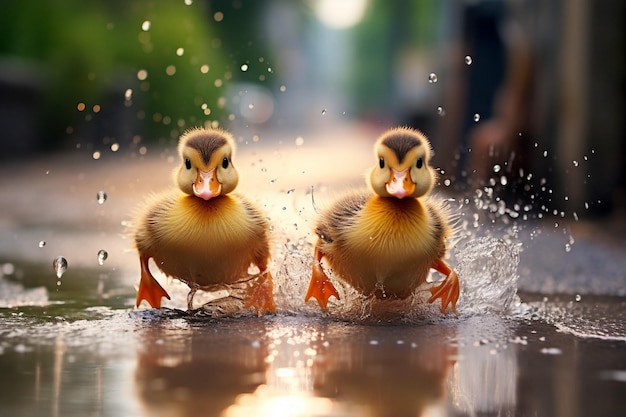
203 234
384 243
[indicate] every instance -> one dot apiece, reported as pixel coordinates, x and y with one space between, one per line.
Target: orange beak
207 185
400 184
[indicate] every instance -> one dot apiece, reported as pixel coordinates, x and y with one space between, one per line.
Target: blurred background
526 96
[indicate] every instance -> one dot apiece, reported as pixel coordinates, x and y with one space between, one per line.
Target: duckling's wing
341 215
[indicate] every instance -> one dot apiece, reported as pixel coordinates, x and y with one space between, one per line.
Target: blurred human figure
551 141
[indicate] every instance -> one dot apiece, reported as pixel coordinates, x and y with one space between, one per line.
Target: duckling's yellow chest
391 228
390 245
219 222
204 242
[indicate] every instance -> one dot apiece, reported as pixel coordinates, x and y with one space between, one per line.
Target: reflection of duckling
203 235
384 244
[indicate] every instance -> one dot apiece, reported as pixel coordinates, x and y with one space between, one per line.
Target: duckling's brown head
403 168
206 169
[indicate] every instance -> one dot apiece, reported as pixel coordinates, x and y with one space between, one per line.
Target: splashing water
487 269
60 266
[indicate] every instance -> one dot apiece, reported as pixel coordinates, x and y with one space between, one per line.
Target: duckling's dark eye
187 163
381 163
225 163
420 163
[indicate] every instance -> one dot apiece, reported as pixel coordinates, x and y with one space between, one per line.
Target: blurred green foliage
387 28
91 52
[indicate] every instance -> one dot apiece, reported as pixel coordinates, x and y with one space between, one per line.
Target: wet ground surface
76 346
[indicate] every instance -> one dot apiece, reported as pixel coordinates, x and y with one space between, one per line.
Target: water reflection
484 379
165 363
292 366
386 371
199 368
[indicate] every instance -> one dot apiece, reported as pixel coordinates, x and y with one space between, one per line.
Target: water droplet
324 111
60 266
497 168
476 117
578 297
20 348
575 163
244 67
551 351
102 256
432 78
42 243
96 155
568 247
282 88
441 111
299 141
145 26
7 269
446 182
251 106
468 60
101 196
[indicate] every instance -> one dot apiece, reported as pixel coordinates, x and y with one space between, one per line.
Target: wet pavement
541 330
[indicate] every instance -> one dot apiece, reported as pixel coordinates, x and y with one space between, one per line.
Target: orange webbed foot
260 295
149 288
320 287
448 290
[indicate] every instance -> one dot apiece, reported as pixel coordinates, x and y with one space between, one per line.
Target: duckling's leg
448 290
149 288
260 294
320 287
193 289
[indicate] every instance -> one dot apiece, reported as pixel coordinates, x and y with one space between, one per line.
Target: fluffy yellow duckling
384 243
203 234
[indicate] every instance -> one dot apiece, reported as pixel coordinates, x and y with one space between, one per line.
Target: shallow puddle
100 357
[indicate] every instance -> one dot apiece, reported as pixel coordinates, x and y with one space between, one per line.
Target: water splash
487 269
